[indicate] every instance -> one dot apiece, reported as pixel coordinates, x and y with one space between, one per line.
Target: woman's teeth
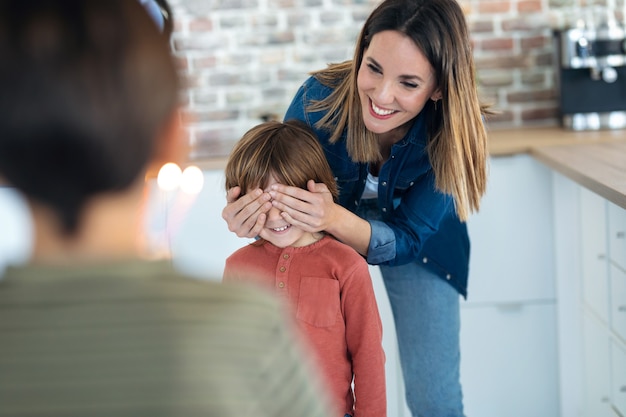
280 229
380 111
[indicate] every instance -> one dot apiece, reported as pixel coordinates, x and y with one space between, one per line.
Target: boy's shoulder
340 250
247 250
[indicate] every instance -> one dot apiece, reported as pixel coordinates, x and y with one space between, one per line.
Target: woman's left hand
312 210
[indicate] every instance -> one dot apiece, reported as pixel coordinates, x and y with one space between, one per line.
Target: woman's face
394 82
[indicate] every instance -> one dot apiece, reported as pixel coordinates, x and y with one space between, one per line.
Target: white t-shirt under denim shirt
371 187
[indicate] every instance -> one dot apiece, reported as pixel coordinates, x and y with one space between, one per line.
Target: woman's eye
374 68
409 85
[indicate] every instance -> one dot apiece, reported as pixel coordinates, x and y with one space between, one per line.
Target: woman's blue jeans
427 321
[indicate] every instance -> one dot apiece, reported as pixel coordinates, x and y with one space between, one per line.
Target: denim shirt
417 222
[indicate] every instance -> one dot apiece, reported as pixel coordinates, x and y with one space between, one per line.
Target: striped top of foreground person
136 339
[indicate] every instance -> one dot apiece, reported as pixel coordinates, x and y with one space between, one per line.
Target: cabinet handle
622 388
511 307
605 399
622 309
620 235
601 256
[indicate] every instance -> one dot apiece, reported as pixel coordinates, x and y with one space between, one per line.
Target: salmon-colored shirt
329 288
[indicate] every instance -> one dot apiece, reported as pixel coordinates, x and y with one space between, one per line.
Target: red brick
493 7
529 6
200 25
497 44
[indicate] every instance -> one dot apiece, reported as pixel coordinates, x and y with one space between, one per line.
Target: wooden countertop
594 159
525 140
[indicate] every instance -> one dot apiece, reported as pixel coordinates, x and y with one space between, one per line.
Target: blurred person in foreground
87 328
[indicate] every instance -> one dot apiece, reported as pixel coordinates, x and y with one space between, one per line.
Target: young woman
402 128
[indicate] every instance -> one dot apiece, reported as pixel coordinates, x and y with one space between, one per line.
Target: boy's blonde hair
287 150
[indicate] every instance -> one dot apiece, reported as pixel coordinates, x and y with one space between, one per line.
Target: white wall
15 228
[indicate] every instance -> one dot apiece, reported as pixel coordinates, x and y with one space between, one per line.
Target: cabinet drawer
512 252
508 357
594 256
618 302
618 379
617 235
597 367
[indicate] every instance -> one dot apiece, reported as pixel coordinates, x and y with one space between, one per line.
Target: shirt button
411 183
385 209
448 277
425 260
384 183
283 269
356 202
393 156
281 284
286 256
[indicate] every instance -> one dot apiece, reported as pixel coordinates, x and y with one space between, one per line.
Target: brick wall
243 60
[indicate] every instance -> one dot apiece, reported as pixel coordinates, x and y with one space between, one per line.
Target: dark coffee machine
591 73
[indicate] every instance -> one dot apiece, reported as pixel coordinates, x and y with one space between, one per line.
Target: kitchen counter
526 140
594 159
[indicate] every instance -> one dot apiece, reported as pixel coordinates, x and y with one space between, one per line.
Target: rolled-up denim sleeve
382 246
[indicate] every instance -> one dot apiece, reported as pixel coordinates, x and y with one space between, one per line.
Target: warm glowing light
169 177
192 180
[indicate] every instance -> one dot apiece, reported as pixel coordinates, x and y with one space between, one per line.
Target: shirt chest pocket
318 301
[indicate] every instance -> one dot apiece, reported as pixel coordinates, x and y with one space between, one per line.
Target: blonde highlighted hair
457 137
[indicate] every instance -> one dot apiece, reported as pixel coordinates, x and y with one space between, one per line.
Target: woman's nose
383 93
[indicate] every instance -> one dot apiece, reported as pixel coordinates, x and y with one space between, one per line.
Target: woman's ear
436 95
171 145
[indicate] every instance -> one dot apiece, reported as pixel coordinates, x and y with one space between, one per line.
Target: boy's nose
274 213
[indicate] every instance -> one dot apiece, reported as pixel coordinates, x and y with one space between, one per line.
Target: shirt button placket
281 273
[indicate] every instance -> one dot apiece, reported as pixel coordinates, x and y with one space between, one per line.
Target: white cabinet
617 235
508 359
597 368
595 317
508 324
511 236
618 302
618 380
594 256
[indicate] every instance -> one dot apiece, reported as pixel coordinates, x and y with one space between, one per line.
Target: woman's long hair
457 136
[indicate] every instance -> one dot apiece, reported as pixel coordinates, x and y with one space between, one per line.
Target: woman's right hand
246 215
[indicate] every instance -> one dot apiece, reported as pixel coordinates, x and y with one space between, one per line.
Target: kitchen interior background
242 60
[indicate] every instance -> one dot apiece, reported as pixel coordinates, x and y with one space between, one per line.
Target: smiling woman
405 113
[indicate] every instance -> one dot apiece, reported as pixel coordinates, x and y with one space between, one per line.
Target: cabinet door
618 381
597 368
512 254
618 302
594 255
617 235
509 360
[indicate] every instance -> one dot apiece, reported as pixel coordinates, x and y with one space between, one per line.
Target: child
325 282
